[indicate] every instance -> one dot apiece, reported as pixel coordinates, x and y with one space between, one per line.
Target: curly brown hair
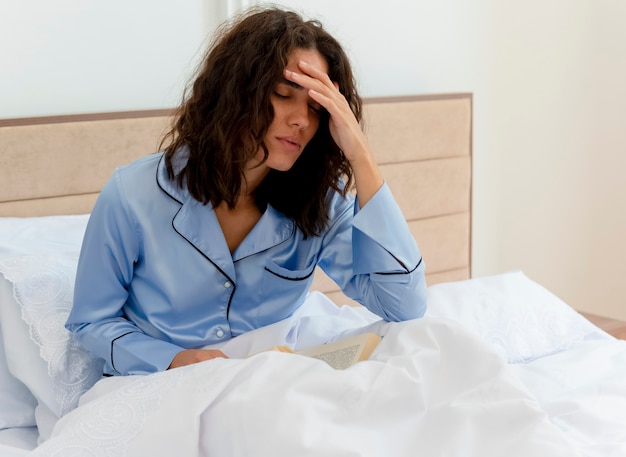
225 115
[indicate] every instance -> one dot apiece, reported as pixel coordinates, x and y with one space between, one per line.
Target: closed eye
317 109
283 92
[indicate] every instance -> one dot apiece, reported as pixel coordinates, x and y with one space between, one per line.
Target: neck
253 177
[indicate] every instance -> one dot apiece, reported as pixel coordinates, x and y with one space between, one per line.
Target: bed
498 366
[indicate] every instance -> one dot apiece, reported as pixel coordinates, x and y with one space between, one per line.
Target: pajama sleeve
371 254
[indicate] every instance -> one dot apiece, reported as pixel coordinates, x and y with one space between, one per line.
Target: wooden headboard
57 165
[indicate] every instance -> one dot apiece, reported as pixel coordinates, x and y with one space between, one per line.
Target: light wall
75 56
556 121
547 78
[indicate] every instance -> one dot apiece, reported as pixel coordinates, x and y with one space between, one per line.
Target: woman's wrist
367 176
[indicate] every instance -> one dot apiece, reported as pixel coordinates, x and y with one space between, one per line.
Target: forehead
311 56
286 82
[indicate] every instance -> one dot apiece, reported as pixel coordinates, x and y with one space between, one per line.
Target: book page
340 358
344 353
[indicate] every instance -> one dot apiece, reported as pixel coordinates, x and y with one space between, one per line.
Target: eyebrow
290 83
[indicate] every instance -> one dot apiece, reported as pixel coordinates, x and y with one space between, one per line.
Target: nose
299 115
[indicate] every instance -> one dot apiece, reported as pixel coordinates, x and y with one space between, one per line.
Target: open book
343 353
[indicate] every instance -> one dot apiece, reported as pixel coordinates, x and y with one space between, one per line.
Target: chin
283 168
283 165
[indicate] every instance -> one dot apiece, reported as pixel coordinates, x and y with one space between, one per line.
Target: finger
305 81
315 72
320 98
326 94
311 77
214 354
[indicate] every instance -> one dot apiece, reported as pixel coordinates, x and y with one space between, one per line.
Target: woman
221 233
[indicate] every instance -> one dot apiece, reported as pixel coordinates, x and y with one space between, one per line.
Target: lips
289 142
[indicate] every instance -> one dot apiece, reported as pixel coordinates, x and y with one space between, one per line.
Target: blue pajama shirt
155 275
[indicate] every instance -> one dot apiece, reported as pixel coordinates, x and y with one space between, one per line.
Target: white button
227 284
220 333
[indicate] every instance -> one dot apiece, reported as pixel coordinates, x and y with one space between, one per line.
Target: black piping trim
293 231
291 279
202 253
402 272
156 177
230 299
217 267
113 341
193 245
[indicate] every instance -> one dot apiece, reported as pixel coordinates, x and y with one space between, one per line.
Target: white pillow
41 235
38 258
40 352
519 318
17 404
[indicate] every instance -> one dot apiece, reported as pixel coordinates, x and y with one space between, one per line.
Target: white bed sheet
431 388
18 441
574 399
583 391
536 355
7 450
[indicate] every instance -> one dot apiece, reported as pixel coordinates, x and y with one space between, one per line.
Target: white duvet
498 367
430 389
